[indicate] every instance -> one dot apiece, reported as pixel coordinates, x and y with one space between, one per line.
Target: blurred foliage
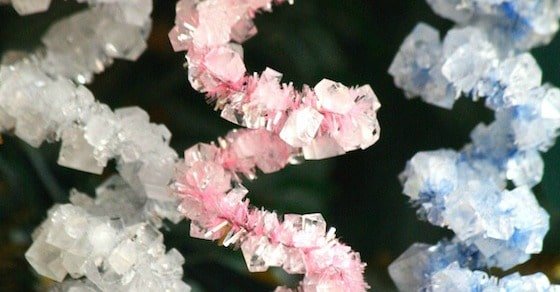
352 41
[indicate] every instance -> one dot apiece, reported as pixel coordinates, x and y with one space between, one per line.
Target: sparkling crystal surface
483 191
301 127
108 242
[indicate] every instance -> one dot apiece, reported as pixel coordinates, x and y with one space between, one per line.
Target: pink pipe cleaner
214 200
327 120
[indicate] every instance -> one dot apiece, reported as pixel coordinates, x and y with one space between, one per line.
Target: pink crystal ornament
213 198
327 120
284 124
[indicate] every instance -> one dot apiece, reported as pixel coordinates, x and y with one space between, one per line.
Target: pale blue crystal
453 192
468 56
417 68
468 191
536 282
428 178
456 278
521 23
413 269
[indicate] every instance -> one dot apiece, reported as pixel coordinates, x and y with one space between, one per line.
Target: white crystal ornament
25 7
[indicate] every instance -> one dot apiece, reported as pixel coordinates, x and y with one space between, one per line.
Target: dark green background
352 41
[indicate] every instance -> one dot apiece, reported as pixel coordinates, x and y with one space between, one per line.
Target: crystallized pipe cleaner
483 56
284 124
214 200
112 242
327 120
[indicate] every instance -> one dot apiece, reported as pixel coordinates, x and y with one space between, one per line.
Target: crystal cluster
214 200
327 120
421 260
506 226
39 98
38 108
108 241
85 42
467 191
448 266
284 126
520 23
455 278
